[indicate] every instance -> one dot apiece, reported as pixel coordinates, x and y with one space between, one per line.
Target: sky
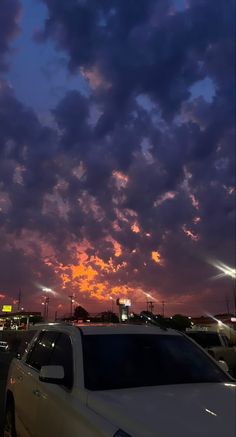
117 157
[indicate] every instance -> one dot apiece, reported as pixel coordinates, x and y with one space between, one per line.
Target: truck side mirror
52 374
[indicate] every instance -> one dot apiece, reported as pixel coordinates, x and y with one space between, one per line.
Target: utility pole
150 306
19 300
163 308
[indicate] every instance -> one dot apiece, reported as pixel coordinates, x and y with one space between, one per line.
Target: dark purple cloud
136 167
10 10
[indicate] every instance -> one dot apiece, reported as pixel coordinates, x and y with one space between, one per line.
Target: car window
205 339
41 352
123 361
62 356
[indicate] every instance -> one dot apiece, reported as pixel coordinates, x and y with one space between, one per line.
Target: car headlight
121 433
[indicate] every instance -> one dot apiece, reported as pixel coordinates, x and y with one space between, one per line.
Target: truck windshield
123 361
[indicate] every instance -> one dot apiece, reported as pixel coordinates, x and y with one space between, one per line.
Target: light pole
46 301
45 304
71 304
112 302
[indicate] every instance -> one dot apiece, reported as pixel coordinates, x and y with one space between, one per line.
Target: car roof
102 328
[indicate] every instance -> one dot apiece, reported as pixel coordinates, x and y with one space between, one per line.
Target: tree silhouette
81 313
109 317
179 322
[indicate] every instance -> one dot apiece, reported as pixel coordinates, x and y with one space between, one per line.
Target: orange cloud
156 257
116 246
135 228
83 271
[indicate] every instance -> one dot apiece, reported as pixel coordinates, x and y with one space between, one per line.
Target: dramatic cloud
9 18
131 190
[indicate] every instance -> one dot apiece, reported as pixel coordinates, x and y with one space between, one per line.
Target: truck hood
206 410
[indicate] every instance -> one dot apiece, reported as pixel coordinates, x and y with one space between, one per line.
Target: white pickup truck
117 381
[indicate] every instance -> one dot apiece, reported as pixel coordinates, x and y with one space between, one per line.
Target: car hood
206 410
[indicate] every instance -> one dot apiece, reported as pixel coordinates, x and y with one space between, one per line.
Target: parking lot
5 359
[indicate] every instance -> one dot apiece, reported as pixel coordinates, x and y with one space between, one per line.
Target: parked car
117 381
4 346
217 345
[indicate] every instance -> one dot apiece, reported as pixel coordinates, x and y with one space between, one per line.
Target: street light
72 301
226 271
46 301
45 308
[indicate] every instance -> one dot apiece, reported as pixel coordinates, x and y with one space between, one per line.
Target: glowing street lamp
226 271
48 290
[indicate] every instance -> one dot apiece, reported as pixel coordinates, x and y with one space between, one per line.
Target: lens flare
224 269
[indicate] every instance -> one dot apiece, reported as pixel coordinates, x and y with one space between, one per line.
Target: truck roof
108 328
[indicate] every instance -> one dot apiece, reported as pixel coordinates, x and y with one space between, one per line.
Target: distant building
124 306
19 320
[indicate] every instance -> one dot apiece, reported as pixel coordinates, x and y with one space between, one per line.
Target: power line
150 306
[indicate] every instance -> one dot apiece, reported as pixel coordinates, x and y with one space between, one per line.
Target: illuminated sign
7 308
125 302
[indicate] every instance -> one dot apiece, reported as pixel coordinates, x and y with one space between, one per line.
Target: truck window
62 356
41 352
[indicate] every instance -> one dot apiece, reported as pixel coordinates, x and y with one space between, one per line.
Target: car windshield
206 339
123 361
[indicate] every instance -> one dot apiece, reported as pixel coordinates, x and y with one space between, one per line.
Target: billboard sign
7 308
125 302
